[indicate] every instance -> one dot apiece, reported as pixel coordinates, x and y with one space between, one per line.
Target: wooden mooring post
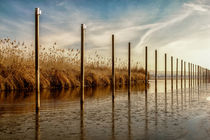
129 66
165 74
165 82
37 71
199 73
203 75
198 76
206 76
184 74
172 75
195 74
181 73
113 69
189 74
156 76
146 75
82 70
177 73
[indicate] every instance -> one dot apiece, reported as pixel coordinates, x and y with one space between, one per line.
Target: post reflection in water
177 96
165 96
82 122
189 96
113 122
172 99
156 97
185 96
37 125
181 97
146 115
156 110
129 115
198 93
192 93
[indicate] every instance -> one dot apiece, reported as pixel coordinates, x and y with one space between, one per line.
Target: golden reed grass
59 68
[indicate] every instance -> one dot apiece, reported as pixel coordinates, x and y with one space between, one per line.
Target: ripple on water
181 118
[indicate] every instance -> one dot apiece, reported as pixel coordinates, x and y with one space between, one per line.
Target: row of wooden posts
191 66
194 72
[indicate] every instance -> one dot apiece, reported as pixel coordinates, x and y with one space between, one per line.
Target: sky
180 28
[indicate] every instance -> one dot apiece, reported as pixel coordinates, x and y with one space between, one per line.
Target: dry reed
59 68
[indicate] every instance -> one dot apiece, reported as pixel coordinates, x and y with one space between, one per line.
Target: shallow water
181 114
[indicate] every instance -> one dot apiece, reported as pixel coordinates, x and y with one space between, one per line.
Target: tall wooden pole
203 75
146 75
82 78
181 73
177 73
113 69
198 77
184 74
206 75
189 73
129 66
37 71
172 75
156 76
165 72
195 74
165 82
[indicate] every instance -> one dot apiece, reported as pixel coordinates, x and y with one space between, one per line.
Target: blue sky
178 27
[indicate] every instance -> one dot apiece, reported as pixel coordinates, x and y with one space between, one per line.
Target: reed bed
59 68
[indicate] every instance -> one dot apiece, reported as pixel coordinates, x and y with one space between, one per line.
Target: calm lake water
181 114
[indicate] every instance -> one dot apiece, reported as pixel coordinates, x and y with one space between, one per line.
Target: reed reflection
37 125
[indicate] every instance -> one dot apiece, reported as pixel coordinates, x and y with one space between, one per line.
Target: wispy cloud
159 26
186 25
196 7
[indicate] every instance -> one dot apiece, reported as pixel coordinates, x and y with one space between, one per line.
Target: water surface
178 114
